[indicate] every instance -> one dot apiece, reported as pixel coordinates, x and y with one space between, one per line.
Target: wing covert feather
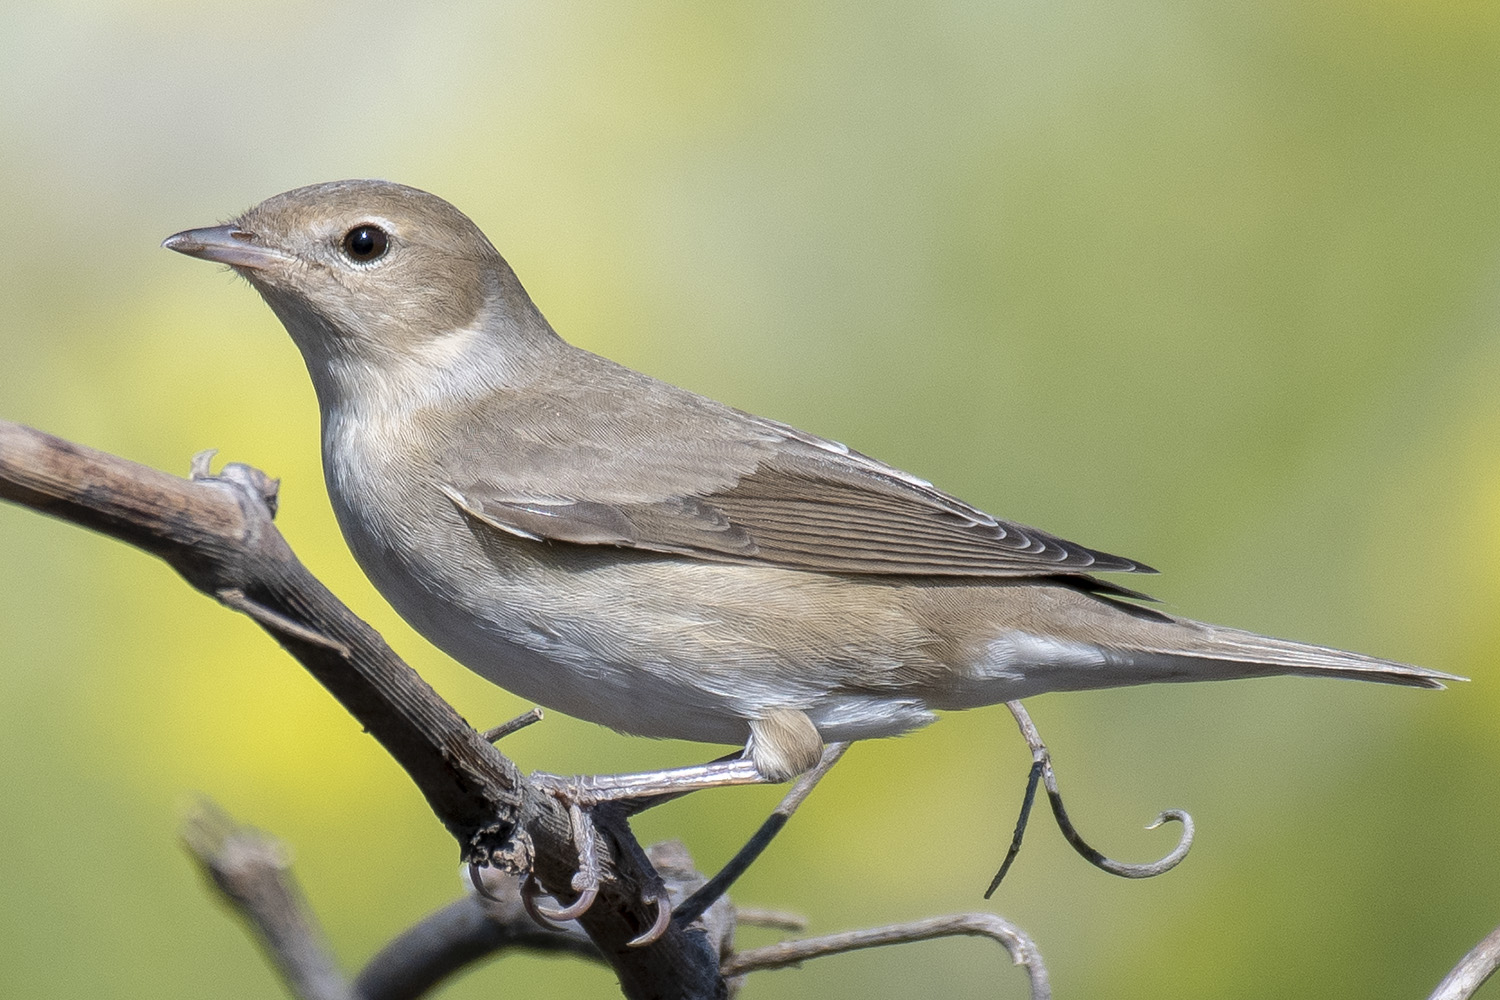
800 502
596 454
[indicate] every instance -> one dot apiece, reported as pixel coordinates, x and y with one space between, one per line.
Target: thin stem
692 908
1022 950
1032 780
1041 762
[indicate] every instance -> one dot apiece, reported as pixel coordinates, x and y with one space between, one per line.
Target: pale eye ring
365 243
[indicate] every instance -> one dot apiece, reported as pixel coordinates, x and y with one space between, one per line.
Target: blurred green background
1210 285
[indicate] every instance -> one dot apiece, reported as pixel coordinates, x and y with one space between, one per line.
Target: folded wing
804 503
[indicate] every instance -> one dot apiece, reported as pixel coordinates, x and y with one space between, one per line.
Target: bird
634 554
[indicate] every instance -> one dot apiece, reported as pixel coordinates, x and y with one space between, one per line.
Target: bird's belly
520 653
653 646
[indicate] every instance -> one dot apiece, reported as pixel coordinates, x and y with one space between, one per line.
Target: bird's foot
585 797
586 880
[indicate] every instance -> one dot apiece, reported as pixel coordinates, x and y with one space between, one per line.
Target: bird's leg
591 789
586 794
783 744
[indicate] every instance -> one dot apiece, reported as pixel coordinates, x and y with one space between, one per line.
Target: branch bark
218 533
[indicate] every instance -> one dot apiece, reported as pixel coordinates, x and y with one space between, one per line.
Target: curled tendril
1042 773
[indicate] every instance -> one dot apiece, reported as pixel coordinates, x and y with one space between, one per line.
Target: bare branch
219 535
250 872
1471 971
1022 951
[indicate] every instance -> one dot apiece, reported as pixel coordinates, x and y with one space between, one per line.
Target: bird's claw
476 882
586 880
658 926
573 910
550 917
530 890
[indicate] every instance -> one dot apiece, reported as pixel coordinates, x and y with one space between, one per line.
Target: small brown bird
637 555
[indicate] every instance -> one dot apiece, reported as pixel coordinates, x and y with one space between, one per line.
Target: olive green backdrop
1216 288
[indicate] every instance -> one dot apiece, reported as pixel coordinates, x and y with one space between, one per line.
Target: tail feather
1230 653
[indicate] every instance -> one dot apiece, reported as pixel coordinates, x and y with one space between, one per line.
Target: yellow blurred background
1214 286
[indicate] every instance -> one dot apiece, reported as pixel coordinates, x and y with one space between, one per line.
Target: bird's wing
750 490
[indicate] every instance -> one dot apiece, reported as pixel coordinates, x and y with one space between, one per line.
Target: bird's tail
1212 652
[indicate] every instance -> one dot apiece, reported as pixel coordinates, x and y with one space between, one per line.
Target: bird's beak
225 245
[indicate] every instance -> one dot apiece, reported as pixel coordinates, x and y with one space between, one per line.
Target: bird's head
370 272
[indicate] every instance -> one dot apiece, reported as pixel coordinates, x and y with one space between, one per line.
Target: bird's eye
366 243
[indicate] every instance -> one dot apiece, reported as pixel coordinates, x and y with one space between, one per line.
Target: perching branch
218 534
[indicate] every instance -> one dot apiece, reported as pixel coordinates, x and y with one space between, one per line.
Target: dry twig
1021 948
250 871
1471 971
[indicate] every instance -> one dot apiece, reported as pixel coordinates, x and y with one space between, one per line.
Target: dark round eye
366 243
